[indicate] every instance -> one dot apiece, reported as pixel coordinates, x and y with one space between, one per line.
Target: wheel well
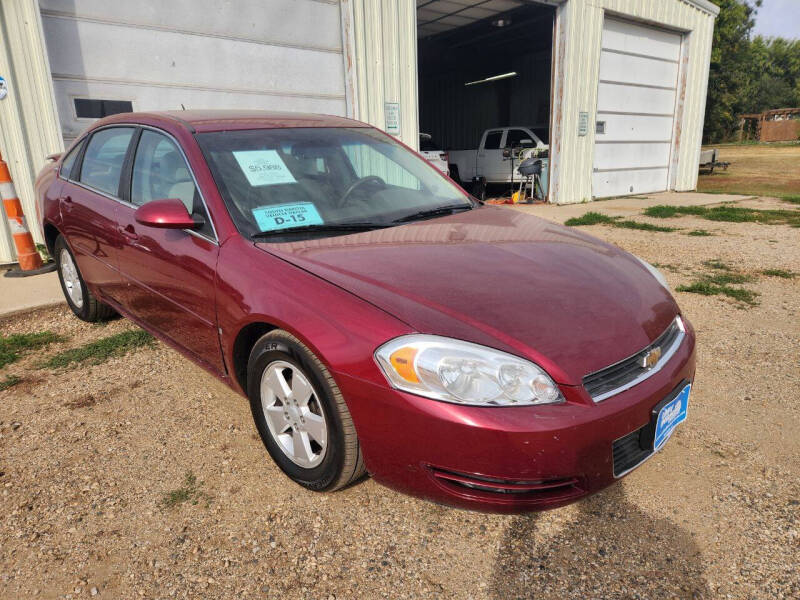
245 340
50 235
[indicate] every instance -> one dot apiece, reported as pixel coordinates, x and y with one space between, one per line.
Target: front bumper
503 459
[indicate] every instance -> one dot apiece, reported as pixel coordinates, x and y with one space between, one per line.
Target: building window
96 109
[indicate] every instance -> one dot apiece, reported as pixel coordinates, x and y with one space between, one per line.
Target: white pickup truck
487 161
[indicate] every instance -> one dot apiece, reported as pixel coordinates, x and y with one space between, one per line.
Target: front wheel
301 415
80 298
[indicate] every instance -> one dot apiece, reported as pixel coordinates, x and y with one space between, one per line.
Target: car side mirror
169 213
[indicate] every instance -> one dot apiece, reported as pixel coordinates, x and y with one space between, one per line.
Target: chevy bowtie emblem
650 358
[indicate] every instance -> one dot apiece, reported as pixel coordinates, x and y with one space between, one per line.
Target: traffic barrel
27 254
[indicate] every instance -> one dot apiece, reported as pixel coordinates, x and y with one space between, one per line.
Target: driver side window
160 172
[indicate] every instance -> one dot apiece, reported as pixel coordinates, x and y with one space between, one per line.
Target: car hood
498 277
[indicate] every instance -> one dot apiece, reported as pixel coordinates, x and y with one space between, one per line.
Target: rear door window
105 154
519 138
69 161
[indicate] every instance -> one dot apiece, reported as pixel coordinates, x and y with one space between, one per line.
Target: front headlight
653 271
454 371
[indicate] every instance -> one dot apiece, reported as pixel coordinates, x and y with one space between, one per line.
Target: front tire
83 303
301 415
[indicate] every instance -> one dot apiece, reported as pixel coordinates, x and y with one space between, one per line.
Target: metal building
619 84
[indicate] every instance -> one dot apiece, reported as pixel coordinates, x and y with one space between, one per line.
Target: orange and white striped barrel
27 254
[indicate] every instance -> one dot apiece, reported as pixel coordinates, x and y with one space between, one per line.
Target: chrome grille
627 373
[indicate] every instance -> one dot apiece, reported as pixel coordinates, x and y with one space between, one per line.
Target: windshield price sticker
263 167
283 216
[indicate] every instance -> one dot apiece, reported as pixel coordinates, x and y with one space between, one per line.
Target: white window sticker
283 216
263 167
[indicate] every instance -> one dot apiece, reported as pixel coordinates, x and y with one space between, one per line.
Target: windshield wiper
330 227
433 212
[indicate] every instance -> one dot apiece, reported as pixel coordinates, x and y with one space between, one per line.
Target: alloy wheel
71 278
294 414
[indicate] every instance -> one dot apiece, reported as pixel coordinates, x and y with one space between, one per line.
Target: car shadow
611 549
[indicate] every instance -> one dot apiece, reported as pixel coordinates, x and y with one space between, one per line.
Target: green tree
730 82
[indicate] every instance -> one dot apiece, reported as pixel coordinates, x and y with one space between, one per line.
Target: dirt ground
88 456
758 169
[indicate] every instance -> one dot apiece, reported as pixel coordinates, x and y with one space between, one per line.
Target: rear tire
83 303
310 435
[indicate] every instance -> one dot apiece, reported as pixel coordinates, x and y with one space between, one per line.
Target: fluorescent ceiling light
493 78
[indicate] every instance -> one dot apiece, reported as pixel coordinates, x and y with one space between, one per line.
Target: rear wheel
301 415
79 297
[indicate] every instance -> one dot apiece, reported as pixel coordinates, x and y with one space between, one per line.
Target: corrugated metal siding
28 120
276 55
384 33
583 21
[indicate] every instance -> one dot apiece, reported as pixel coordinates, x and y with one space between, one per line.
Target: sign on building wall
391 116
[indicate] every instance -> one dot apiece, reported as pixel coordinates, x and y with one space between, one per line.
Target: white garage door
635 109
156 55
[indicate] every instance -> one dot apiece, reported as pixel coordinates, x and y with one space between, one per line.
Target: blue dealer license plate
670 416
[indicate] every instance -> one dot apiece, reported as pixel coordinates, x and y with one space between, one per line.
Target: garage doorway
484 65
636 105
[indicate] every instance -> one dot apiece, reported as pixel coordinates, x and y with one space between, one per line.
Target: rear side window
102 162
493 140
69 161
518 138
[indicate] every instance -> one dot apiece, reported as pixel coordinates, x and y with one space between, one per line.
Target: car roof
202 121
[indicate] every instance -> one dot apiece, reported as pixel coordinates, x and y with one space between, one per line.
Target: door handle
129 232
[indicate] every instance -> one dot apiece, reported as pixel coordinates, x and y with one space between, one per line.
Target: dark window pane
97 109
102 163
518 138
542 133
426 144
69 161
493 140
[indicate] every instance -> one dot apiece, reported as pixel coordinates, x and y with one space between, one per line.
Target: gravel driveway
144 477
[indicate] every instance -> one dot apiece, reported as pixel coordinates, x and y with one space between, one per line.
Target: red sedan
377 317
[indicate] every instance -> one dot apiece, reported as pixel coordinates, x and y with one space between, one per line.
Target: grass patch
720 282
42 250
590 218
727 278
716 263
666 266
643 226
782 273
727 213
188 492
666 211
9 381
100 351
596 218
707 288
12 347
794 199
700 233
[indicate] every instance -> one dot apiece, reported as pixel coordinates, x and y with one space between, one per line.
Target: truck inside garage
484 65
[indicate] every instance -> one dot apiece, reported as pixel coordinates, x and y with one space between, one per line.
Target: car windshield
322 180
